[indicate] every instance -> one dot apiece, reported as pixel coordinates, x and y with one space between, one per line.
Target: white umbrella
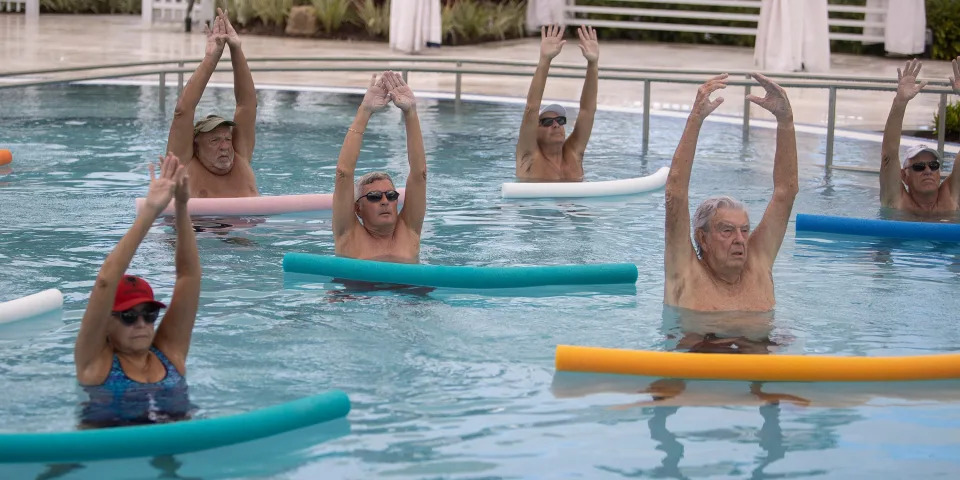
414 24
792 36
544 12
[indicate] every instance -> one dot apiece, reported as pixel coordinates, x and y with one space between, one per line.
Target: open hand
398 91
955 79
216 37
551 41
588 43
376 97
907 86
703 106
233 40
775 101
163 188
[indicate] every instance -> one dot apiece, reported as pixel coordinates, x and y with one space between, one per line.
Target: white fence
871 26
30 7
174 11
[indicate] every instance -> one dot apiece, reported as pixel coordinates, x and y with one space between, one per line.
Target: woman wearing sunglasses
133 373
915 187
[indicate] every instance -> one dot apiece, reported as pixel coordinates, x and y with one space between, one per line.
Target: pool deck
76 40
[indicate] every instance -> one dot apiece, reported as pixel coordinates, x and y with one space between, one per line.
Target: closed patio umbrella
414 25
792 36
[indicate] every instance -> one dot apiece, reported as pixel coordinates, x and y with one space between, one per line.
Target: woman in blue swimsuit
133 373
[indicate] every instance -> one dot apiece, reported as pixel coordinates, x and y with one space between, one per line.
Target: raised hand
907 86
216 37
588 43
551 41
233 40
775 101
955 79
164 187
703 106
182 191
398 91
376 97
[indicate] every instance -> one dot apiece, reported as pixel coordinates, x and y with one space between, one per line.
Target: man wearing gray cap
914 184
544 153
216 151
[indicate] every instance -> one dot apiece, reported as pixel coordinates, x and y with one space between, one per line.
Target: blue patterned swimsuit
122 401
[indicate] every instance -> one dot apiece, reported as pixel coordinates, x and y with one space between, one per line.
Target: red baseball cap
133 291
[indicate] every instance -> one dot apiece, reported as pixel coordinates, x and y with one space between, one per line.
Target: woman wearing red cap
133 373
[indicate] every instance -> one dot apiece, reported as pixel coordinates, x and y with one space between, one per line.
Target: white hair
367 179
707 209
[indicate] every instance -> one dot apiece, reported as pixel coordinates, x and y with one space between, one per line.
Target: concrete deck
76 40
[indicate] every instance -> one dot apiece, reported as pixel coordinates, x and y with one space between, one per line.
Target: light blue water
462 385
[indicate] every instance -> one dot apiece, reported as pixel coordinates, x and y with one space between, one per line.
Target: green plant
943 18
90 6
375 19
952 124
507 20
271 12
332 14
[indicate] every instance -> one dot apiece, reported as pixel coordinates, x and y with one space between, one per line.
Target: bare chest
404 246
701 292
240 182
570 168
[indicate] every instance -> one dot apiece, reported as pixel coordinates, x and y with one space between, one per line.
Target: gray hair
707 209
367 179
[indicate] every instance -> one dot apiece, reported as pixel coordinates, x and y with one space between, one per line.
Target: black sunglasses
921 166
376 195
129 317
546 122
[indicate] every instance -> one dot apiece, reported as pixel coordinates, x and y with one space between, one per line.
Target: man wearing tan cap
914 185
544 153
216 151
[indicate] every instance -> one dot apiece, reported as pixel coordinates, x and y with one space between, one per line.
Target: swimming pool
461 384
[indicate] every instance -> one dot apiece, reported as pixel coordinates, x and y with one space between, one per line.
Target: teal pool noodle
947 232
171 438
470 277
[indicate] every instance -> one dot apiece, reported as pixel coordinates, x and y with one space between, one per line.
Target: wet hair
367 179
707 209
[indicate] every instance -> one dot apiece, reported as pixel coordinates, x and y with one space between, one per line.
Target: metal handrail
647 76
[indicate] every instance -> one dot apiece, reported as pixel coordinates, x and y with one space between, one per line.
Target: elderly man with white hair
914 185
732 266
366 222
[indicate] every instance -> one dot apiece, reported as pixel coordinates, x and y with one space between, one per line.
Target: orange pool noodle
746 367
5 157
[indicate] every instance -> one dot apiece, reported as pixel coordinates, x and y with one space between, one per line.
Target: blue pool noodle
171 438
947 232
468 277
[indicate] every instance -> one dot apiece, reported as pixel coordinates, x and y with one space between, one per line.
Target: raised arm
679 254
344 215
588 97
92 337
891 186
954 179
551 42
244 134
768 236
180 140
415 198
174 332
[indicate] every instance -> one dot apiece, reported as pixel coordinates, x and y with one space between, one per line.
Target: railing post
457 91
831 125
942 124
746 115
404 73
646 115
179 78
163 90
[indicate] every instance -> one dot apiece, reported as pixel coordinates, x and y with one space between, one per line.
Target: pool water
453 384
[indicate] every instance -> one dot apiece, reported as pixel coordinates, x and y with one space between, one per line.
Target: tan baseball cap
209 123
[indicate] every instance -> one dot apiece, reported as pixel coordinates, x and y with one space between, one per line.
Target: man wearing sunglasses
366 222
915 186
544 153
133 373
217 151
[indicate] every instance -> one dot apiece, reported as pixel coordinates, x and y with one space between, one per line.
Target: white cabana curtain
792 36
904 25
544 12
414 24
